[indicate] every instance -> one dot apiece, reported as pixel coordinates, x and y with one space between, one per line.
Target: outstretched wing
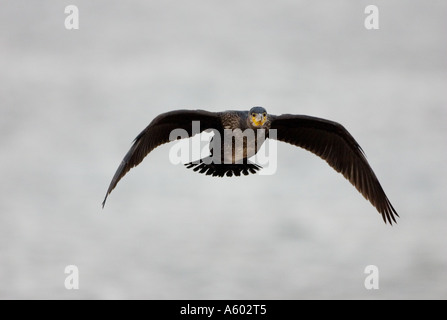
157 133
333 143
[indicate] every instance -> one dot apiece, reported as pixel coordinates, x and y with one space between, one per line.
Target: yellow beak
258 119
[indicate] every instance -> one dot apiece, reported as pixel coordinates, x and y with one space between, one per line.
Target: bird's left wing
158 132
333 143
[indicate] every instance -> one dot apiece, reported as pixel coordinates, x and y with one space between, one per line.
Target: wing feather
157 133
333 143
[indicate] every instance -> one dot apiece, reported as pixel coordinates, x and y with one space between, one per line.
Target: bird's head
257 116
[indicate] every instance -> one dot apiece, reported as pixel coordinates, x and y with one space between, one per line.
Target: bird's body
237 128
240 134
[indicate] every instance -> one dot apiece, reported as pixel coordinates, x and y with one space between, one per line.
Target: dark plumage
327 139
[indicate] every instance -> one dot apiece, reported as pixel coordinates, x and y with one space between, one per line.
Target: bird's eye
253 115
264 114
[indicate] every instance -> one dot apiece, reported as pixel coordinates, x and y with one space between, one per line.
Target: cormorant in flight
327 139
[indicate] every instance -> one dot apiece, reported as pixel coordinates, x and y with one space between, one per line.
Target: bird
325 138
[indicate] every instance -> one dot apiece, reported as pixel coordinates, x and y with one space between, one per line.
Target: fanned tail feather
220 170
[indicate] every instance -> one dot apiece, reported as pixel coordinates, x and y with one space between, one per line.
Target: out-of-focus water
72 101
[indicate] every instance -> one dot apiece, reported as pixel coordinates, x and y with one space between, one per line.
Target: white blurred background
71 102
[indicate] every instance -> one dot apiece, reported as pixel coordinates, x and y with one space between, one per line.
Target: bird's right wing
158 132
